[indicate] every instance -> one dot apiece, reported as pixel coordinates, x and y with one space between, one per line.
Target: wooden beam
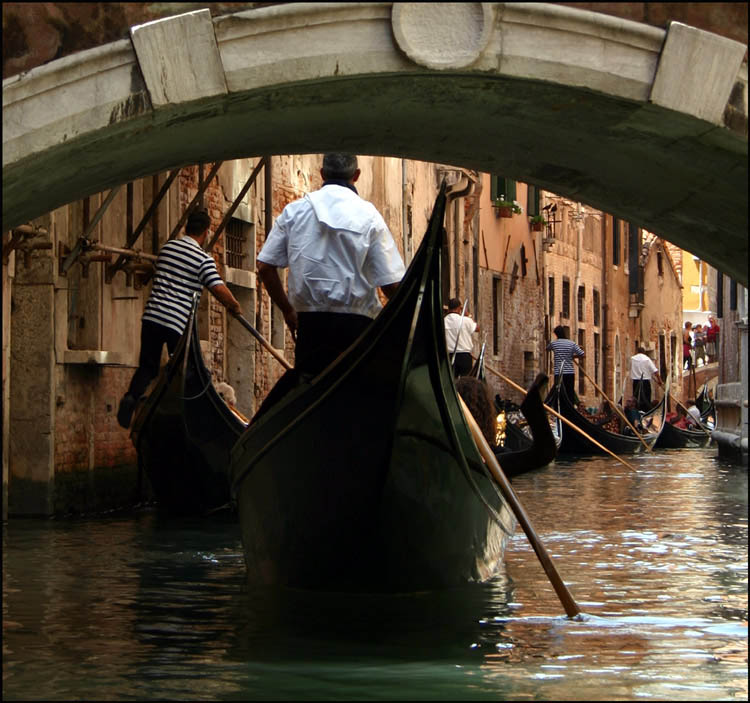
228 215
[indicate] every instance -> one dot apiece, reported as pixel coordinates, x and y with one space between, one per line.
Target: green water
137 607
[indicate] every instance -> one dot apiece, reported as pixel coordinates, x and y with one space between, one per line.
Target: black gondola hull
184 433
575 443
367 478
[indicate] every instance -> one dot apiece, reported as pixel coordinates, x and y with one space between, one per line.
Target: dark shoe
125 411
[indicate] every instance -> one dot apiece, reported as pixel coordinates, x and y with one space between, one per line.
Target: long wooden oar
615 406
262 340
565 420
571 607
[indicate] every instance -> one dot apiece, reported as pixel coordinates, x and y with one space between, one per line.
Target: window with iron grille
597 308
565 312
581 303
236 243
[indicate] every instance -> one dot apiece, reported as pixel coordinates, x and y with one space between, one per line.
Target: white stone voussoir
179 58
697 72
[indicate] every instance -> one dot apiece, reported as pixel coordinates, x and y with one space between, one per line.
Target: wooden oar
615 406
565 420
571 607
262 340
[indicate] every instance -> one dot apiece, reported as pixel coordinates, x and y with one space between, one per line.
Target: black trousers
642 394
462 364
321 337
153 338
569 383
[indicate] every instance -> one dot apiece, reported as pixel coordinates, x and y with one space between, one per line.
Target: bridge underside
577 143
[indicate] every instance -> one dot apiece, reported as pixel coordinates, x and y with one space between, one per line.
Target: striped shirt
564 351
182 268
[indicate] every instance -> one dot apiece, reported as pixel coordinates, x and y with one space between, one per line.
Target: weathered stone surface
190 69
697 72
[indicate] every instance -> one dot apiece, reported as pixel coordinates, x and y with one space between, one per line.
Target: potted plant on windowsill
537 223
506 208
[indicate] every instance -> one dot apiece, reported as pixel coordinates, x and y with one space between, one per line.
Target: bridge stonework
36 33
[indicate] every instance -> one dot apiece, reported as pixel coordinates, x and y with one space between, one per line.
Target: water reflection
141 607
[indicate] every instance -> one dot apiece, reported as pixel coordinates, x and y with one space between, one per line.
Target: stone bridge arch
647 124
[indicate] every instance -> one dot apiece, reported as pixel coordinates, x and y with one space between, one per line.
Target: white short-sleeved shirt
338 250
641 367
453 322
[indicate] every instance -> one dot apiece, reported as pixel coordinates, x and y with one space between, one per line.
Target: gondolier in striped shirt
182 269
564 351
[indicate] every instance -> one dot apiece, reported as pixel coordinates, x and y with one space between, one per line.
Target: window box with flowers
537 223
506 208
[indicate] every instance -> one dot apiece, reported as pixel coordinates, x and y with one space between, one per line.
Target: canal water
138 607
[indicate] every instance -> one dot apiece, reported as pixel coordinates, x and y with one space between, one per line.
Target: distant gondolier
458 330
564 351
642 369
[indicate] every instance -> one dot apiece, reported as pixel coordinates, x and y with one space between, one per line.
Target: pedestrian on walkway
687 346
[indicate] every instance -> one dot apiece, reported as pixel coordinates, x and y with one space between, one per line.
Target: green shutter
532 201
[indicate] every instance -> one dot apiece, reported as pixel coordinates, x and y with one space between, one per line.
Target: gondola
529 437
184 432
673 437
366 477
619 443
520 452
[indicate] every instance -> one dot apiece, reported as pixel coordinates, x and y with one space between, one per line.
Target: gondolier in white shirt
339 251
458 330
642 369
182 269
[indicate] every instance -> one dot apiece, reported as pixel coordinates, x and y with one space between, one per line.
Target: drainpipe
579 249
463 187
406 240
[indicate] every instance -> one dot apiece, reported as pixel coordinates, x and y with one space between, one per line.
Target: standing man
182 268
641 371
458 331
564 351
712 338
687 345
339 251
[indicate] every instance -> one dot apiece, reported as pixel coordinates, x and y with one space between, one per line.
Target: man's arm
272 281
225 297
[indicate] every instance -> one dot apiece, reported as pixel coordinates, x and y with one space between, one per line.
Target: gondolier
458 330
564 350
182 269
339 251
642 369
